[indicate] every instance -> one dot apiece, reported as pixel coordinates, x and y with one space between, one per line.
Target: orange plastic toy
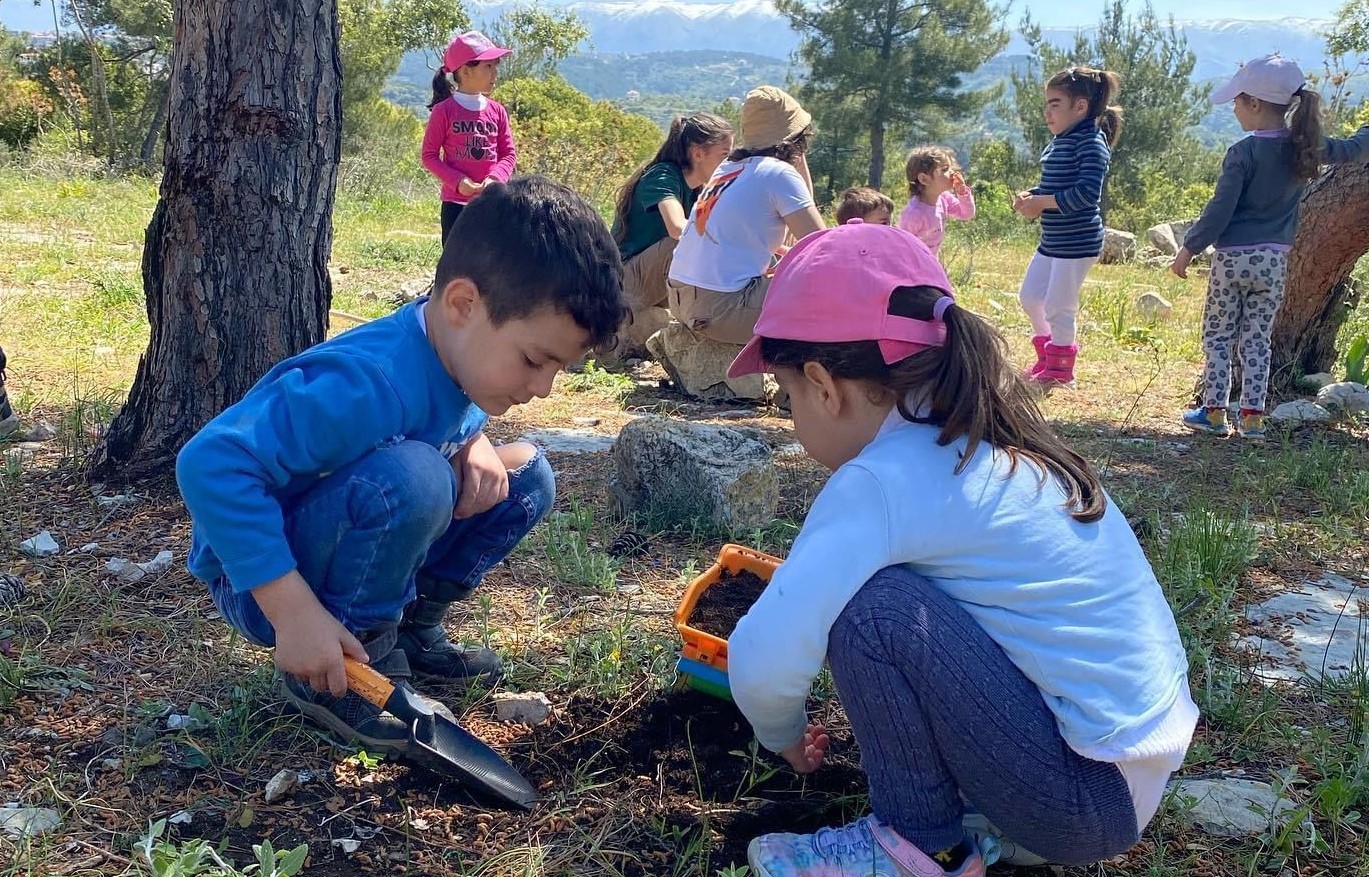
703 659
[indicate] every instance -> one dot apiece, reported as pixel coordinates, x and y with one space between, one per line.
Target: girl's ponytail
442 87
1109 115
1306 135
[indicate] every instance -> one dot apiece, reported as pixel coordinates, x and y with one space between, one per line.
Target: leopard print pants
1244 293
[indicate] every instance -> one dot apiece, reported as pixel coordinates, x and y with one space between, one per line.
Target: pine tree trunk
235 261
1333 232
876 175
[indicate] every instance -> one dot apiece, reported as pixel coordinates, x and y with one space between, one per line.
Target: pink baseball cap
471 46
1272 78
835 285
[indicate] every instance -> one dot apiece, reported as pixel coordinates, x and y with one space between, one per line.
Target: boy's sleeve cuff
248 573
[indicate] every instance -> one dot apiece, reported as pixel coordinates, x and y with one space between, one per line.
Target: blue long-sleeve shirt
309 416
1256 199
1073 167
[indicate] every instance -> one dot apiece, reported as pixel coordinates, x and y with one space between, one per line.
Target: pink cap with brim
834 286
471 46
1272 78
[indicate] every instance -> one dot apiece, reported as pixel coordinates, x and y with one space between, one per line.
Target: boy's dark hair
858 202
1099 88
531 244
967 388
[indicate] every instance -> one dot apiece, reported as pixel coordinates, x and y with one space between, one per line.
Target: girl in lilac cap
995 633
467 142
1251 219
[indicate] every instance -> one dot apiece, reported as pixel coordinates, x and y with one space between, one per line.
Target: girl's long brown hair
1304 132
1099 88
699 129
967 388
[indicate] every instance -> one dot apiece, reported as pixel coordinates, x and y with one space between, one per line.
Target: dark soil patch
722 605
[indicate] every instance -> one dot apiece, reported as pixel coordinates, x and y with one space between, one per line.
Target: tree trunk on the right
1333 232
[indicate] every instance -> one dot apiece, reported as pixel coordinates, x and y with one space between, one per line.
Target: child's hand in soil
807 754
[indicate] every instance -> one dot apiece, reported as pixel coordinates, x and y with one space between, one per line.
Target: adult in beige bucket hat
770 116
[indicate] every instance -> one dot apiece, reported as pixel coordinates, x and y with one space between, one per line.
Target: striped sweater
1073 166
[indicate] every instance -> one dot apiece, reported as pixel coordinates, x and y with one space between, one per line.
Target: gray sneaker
356 719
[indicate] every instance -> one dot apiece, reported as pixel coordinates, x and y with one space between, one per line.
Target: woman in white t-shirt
753 200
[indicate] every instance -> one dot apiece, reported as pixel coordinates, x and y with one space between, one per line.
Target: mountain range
755 27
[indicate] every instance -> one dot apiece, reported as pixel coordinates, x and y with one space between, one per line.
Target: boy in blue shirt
351 496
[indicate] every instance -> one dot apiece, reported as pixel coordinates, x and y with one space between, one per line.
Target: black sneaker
434 657
356 719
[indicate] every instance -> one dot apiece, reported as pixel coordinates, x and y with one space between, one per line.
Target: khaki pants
644 288
729 317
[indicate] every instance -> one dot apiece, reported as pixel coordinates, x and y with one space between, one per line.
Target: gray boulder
1300 410
672 471
1152 306
1118 246
1168 237
1228 807
698 366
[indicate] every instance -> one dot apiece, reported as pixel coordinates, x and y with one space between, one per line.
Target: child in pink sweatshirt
936 190
468 141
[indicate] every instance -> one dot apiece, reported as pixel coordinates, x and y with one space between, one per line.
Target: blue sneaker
1211 420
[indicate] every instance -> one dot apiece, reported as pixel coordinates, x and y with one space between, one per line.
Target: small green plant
598 381
568 550
758 770
365 759
165 858
1355 357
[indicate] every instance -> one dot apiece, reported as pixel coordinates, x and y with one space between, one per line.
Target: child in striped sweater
1085 127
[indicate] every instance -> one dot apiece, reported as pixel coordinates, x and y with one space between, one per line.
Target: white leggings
1050 295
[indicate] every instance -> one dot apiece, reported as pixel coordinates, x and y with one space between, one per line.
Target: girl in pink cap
994 630
1251 220
468 141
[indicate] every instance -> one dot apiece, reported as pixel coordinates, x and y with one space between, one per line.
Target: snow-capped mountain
640 26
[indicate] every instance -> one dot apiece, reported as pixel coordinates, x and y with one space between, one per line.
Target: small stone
41 432
129 571
1315 381
177 722
569 441
22 822
415 287
283 783
1152 306
585 421
42 545
1118 246
112 763
347 844
528 708
116 500
1344 397
89 548
1299 411
181 817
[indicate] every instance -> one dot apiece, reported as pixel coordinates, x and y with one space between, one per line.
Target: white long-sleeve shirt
1075 606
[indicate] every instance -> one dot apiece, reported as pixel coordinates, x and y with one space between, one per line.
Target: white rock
1317 380
673 471
347 844
180 722
1118 246
1231 807
1300 410
116 500
181 817
133 572
283 783
527 708
414 287
569 441
89 548
1345 397
1313 632
42 545
585 421
22 822
1153 306
1164 238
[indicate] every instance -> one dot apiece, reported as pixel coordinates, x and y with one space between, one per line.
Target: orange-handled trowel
440 743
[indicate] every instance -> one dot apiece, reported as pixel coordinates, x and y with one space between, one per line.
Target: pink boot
1058 366
1039 342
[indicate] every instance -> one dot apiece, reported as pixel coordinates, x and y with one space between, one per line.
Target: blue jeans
371 536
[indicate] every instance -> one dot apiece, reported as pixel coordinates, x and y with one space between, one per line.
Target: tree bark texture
1333 233
235 262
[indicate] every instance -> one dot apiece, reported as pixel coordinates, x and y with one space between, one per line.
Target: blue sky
23 15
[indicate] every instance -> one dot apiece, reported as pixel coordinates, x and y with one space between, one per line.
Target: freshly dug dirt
721 606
